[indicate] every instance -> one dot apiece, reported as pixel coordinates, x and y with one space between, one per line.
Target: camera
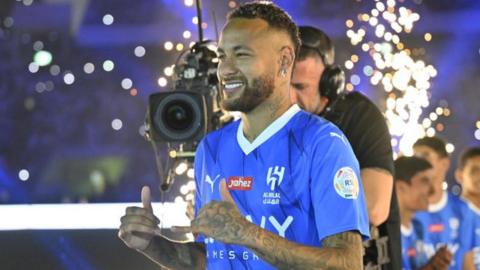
191 110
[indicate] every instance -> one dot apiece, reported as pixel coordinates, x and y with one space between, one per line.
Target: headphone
332 81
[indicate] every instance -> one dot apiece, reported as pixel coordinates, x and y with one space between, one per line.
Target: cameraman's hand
139 225
440 261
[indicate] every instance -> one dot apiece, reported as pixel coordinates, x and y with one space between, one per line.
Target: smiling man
278 189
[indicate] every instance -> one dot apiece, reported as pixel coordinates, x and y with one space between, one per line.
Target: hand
139 224
441 260
220 220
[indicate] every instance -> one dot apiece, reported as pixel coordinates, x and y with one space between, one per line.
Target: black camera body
191 110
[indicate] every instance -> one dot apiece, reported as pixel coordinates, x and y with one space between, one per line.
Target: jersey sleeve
336 188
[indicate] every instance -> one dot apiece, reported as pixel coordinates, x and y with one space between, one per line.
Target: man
449 221
270 186
316 84
413 185
468 175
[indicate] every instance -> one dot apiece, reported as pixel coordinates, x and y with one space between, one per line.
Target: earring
283 72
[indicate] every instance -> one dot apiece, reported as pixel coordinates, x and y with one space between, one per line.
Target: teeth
232 85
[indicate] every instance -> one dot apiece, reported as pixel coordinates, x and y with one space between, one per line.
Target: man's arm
139 230
339 251
378 185
223 221
174 255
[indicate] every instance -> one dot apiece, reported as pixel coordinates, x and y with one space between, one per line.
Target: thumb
147 198
226 196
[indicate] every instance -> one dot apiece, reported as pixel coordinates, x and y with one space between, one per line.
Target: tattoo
174 255
222 221
340 251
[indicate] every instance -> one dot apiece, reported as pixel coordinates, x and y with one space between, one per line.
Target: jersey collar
440 205
407 231
271 130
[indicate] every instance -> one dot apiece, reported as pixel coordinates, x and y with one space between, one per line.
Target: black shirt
366 129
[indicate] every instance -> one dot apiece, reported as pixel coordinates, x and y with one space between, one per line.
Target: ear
459 176
401 187
446 163
287 56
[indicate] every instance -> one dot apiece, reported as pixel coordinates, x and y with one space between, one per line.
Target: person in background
468 175
413 177
317 86
449 221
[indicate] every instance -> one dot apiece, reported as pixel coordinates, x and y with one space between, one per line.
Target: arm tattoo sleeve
339 251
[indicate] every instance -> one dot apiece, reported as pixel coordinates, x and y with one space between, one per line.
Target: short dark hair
272 14
466 155
315 43
407 167
435 143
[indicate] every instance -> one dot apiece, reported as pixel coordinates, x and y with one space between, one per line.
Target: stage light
355 79
139 51
195 20
33 67
88 68
133 92
54 70
477 134
69 78
181 168
162 82
188 3
187 34
8 22
24 175
107 19
348 64
190 173
38 45
168 45
450 148
42 58
127 83
117 124
168 71
108 65
179 47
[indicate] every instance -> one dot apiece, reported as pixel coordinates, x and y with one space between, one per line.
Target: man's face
440 164
470 176
304 85
417 192
248 61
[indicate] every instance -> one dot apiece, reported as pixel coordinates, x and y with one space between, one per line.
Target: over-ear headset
332 82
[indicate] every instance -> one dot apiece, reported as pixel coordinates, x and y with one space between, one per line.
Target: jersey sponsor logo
346 183
435 228
274 179
239 183
341 137
275 176
211 181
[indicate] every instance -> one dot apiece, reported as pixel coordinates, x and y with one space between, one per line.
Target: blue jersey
476 249
449 222
298 179
414 254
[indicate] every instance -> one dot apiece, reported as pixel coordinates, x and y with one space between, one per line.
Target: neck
473 198
257 120
437 193
405 216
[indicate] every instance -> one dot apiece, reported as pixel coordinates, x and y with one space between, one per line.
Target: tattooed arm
339 251
174 255
222 221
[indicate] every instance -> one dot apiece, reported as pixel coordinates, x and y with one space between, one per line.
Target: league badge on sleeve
346 183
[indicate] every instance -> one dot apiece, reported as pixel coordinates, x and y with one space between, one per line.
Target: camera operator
317 86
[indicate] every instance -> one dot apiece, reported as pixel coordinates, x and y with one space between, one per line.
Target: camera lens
178 115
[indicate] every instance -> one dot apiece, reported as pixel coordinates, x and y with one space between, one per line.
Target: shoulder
215 138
